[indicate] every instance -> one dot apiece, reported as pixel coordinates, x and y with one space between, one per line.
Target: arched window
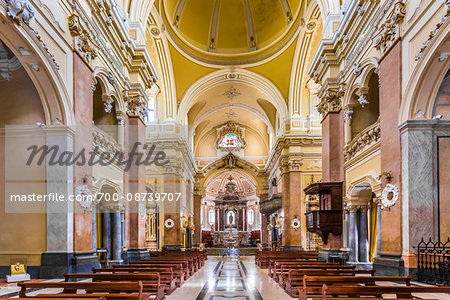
230 140
211 216
251 216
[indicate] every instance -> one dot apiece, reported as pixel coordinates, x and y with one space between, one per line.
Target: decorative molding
389 195
83 42
103 142
364 139
389 31
231 93
20 11
331 100
288 165
230 127
136 104
434 32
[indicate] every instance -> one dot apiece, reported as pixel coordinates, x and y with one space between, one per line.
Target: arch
47 80
421 89
100 75
139 12
367 66
232 75
241 165
375 185
328 7
231 105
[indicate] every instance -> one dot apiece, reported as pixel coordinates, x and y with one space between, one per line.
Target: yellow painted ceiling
230 30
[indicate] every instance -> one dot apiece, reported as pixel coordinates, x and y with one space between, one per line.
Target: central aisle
229 278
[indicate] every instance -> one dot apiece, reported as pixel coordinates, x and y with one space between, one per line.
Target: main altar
230 227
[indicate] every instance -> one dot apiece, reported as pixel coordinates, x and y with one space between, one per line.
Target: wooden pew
177 266
166 274
312 285
176 272
262 260
273 263
151 281
330 292
294 279
188 266
283 268
192 263
105 290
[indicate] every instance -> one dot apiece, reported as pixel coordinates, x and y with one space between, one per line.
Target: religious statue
230 161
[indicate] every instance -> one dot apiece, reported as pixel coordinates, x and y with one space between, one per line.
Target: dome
230 28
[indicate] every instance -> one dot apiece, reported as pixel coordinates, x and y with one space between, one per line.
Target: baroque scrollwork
104 142
136 104
366 138
20 11
83 41
230 128
389 32
434 32
331 100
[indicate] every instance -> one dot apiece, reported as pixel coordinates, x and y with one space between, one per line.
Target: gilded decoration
230 137
331 100
389 31
83 41
20 11
136 104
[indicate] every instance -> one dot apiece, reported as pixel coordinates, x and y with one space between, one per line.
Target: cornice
354 34
284 142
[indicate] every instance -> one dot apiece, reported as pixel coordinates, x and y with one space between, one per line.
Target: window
251 216
230 140
151 113
211 216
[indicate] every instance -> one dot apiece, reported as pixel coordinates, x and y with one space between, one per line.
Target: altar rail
433 262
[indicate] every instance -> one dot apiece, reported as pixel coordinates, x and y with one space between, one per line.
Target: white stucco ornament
84 196
169 223
295 224
390 195
142 211
20 11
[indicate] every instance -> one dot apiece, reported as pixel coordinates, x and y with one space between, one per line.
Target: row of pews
301 274
152 278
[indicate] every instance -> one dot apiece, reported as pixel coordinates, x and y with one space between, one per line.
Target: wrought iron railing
433 262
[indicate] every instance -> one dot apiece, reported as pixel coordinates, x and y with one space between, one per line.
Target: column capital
288 165
330 99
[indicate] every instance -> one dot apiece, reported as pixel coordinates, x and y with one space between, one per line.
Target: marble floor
220 279
229 278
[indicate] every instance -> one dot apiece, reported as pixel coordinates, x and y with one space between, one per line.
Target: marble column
291 203
363 238
60 221
353 234
389 261
135 184
107 230
333 159
116 236
197 218
345 229
173 237
264 231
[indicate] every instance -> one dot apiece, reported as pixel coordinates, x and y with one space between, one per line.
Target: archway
361 224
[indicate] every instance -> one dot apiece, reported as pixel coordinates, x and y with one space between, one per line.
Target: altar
230 228
231 238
